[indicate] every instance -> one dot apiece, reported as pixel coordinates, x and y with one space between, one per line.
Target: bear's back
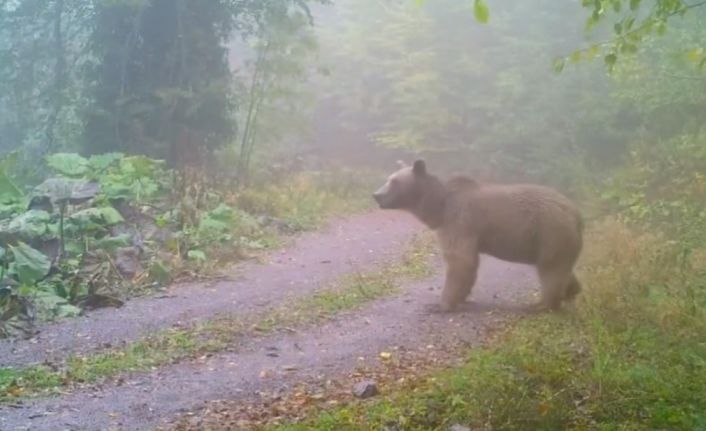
512 221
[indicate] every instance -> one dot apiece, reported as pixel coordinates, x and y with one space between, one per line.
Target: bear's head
404 188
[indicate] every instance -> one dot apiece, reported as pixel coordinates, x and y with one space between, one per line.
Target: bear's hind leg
555 285
573 289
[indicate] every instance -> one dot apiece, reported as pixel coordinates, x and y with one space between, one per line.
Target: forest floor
271 373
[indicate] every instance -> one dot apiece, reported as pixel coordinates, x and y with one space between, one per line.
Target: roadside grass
631 355
169 346
306 199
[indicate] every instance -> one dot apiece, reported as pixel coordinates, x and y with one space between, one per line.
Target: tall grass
307 198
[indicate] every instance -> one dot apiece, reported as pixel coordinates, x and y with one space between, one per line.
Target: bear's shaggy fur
522 223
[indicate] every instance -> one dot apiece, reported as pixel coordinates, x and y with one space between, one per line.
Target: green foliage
68 191
30 265
98 216
196 255
54 306
663 185
8 189
136 178
634 21
114 175
74 227
68 164
303 200
481 11
30 225
27 290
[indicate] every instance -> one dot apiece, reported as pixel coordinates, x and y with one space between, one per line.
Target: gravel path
145 400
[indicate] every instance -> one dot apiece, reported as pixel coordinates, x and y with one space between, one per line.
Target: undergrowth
630 356
306 199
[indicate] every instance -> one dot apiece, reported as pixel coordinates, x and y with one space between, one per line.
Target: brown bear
522 223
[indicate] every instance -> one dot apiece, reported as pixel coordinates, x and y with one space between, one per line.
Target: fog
364 82
393 80
204 224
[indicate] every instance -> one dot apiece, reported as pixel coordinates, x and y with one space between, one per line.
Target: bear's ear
419 168
401 164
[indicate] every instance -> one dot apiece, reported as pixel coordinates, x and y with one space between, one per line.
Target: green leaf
695 55
31 224
8 190
592 52
140 166
222 213
69 164
661 28
628 48
559 64
30 265
575 57
106 216
610 59
196 255
160 272
111 243
216 222
634 4
628 23
9 161
53 305
101 162
64 190
481 11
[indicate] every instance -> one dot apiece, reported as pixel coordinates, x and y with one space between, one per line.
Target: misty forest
232 215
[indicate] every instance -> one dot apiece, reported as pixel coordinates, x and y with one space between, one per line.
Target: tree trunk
59 76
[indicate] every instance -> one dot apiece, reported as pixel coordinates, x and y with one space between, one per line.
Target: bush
664 185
